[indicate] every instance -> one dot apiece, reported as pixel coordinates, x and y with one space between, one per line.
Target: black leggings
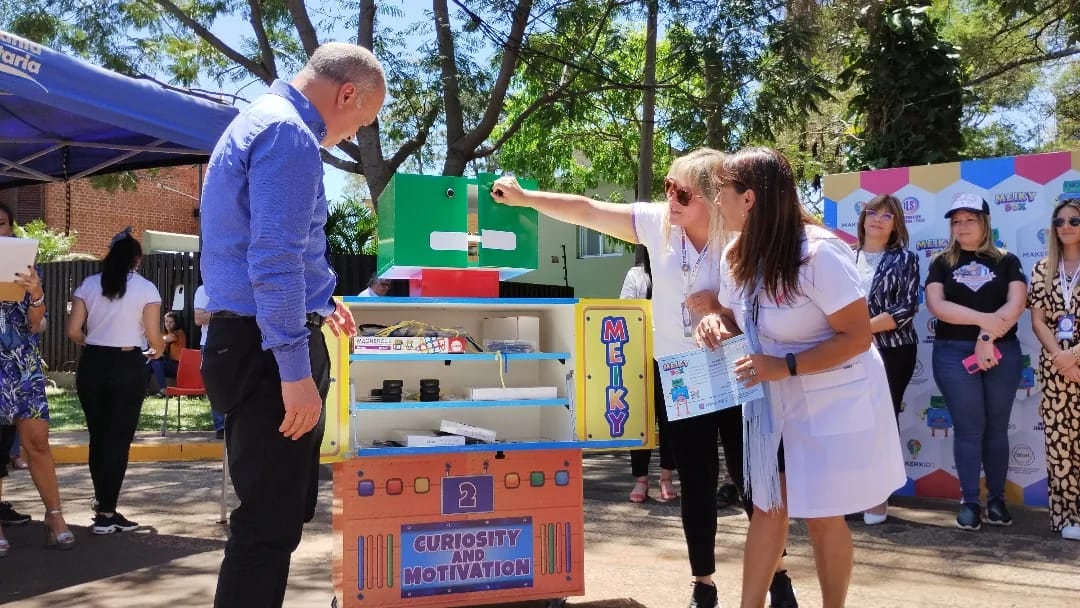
697 456
639 459
7 439
899 367
111 385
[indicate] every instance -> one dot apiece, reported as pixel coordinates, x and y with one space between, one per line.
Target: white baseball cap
966 201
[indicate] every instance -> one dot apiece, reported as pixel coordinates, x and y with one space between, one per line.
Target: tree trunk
716 132
372 163
648 107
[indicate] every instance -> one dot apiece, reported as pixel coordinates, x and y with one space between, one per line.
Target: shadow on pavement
38 570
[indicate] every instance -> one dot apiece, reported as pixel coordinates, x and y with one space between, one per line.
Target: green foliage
52 244
909 101
576 144
1061 15
352 228
1066 91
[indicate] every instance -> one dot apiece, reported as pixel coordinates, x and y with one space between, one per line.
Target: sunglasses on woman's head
1074 221
682 195
882 215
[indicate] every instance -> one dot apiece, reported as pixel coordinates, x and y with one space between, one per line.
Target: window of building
592 244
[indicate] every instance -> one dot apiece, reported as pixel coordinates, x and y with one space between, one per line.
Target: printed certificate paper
702 381
15 255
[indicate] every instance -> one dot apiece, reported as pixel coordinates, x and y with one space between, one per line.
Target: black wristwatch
984 337
790 358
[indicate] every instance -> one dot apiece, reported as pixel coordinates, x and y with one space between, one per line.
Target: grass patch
66 414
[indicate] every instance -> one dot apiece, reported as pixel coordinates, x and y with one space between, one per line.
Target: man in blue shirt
264 265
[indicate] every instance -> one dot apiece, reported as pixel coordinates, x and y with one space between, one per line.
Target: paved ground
635 555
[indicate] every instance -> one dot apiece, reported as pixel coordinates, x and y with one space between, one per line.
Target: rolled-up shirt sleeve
284 176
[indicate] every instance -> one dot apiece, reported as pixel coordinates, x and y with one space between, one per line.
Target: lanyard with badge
1066 323
689 276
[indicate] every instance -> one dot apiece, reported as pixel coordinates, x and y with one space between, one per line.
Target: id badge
1066 328
686 321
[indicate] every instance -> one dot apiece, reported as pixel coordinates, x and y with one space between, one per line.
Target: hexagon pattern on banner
1021 192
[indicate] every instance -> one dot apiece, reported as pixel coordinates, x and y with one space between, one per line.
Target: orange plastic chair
189 383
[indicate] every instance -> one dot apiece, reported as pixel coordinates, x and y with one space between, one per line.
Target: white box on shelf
516 329
419 439
466 430
514 393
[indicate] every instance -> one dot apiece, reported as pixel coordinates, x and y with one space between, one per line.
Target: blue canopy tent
62 119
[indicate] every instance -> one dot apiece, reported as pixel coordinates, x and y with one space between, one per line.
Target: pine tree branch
1012 65
416 141
308 36
202 32
265 50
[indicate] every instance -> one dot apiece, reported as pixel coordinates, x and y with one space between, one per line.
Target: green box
424 222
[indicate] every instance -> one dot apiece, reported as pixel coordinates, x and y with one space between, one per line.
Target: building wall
164 200
590 277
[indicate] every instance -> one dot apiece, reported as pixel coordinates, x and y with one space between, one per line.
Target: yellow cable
499 361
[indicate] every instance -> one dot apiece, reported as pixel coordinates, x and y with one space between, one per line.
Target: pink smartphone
971 364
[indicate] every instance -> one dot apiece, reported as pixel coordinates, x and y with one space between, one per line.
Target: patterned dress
1060 409
22 377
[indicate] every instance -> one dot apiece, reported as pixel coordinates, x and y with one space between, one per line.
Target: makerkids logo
19 57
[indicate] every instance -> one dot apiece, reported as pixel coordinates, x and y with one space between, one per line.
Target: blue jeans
980 405
162 368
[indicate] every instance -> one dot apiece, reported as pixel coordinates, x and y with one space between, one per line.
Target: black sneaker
997 514
113 523
970 517
781 593
11 517
704 596
728 496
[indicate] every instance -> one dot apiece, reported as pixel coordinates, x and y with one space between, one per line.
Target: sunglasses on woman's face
682 195
884 216
1074 221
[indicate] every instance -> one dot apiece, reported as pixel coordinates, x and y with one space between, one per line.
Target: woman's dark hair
641 258
177 319
123 257
9 213
771 239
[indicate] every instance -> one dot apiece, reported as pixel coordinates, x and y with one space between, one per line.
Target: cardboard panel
473 537
1022 192
614 371
335 445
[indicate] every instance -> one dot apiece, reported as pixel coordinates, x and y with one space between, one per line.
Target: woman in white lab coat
793 288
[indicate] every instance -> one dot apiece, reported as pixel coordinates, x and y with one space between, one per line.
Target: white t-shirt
636 284
116 322
367 293
669 293
828 280
202 301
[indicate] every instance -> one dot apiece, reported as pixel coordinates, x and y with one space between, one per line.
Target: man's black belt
312 319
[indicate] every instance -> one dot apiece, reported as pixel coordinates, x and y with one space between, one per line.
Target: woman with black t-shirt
977 292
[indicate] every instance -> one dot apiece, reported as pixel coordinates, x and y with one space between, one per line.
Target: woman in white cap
977 291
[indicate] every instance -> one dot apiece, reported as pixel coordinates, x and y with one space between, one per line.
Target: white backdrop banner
1022 192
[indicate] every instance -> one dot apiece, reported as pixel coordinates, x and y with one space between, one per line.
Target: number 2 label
468 494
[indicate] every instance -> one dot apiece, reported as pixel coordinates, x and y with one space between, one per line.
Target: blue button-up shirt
263 216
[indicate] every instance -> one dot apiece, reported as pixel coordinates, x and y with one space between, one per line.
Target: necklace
689 276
